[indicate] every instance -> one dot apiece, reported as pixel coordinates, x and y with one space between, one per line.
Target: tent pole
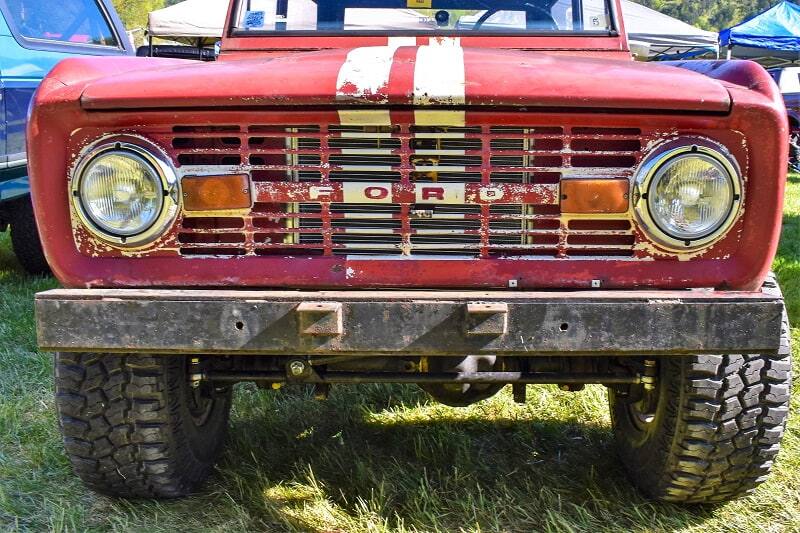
730 52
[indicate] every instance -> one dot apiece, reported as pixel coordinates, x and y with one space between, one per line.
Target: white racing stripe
397 42
365 76
439 80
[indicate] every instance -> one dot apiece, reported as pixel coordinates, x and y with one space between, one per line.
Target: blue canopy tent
771 37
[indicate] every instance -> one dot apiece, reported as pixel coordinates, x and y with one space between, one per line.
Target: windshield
424 16
64 21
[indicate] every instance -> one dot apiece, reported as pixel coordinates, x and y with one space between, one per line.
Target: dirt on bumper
408 322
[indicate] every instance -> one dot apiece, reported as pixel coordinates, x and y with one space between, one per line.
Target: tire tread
722 427
120 419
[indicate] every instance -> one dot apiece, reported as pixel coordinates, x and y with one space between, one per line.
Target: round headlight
121 193
124 193
690 194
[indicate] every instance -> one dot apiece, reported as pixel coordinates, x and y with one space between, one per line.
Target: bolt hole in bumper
409 323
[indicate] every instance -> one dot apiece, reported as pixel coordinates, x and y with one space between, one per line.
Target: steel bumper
408 322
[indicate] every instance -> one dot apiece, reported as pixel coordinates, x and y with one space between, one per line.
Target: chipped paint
364 77
277 192
265 257
365 74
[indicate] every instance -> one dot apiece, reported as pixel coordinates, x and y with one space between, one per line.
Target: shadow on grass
387 455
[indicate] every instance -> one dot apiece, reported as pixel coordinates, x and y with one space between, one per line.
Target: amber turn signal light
216 193
581 196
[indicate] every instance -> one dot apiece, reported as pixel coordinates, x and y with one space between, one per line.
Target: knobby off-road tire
25 239
133 426
716 425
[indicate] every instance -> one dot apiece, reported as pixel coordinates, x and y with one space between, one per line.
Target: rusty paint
605 267
509 82
648 105
565 143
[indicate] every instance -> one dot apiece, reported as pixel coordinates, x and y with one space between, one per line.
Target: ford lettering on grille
411 190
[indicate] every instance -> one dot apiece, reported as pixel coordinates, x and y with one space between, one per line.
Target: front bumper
409 322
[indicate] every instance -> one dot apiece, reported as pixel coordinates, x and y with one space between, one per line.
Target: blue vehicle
34 36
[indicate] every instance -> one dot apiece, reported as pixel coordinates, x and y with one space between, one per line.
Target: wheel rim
643 412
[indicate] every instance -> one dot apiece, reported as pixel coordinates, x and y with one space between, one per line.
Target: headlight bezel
158 161
668 154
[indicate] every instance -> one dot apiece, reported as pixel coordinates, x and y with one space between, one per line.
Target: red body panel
735 104
236 47
494 78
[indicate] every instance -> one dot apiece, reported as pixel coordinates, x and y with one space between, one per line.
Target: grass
373 458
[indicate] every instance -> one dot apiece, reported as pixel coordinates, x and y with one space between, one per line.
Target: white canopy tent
652 34
189 21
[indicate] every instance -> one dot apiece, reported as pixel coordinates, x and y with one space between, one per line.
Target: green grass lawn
373 458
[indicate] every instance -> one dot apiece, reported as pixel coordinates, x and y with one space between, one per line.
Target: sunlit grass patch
543 403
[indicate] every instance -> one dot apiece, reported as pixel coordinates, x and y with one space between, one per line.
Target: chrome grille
436 155
504 156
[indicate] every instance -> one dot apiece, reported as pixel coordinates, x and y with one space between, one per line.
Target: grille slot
403 156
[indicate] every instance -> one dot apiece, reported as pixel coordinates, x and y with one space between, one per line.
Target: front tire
25 239
713 428
133 425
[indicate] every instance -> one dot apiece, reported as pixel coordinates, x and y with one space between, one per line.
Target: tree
134 12
710 14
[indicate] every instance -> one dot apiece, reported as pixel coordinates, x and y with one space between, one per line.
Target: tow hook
299 370
296 368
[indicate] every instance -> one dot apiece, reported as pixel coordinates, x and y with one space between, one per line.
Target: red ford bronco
458 194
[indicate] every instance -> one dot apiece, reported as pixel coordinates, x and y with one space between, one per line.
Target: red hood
412 75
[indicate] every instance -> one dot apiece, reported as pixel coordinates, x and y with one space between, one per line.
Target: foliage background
134 12
710 14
